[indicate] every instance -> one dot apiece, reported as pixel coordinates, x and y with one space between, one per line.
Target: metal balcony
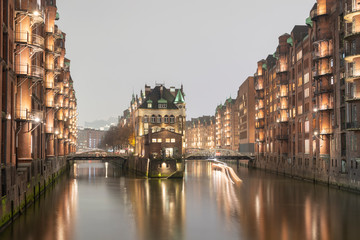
352 97
326 131
352 75
321 54
325 107
33 40
30 71
314 14
352 53
24 114
322 72
353 126
323 90
351 34
282 68
350 13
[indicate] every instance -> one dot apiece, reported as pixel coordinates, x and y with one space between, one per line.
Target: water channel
98 201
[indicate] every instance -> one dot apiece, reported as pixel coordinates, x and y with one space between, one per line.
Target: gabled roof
156 95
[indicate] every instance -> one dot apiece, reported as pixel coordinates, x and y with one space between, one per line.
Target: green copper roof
275 55
162 101
149 101
264 66
179 98
309 22
290 41
57 16
67 64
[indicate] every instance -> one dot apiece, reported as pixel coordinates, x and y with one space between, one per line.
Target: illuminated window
299 55
159 140
300 81
173 140
306 93
154 140
300 110
168 140
306 78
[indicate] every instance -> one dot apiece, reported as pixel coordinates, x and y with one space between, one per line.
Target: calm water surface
97 201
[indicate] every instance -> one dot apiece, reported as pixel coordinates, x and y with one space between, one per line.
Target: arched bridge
218 153
95 155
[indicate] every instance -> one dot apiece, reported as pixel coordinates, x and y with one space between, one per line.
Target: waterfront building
226 124
159 122
89 138
245 132
39 119
235 118
307 98
200 133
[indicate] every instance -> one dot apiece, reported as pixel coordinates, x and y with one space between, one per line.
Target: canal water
98 201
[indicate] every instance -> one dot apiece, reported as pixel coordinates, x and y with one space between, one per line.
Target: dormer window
149 103
162 105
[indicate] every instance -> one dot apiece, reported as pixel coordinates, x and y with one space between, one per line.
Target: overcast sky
209 46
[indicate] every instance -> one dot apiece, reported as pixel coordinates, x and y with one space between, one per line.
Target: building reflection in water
53 216
272 207
205 205
159 207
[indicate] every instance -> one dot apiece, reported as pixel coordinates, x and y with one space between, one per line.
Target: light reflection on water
97 201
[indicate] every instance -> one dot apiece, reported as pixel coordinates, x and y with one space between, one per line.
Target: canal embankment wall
332 179
24 184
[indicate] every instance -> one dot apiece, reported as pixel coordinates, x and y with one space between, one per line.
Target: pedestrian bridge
95 155
216 153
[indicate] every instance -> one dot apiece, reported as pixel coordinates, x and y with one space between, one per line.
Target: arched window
146 118
166 119
153 119
158 119
172 119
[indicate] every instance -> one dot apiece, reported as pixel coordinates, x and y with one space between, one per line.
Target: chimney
172 90
161 91
147 90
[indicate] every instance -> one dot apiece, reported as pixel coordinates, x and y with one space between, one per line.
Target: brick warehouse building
38 99
200 133
307 98
231 128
